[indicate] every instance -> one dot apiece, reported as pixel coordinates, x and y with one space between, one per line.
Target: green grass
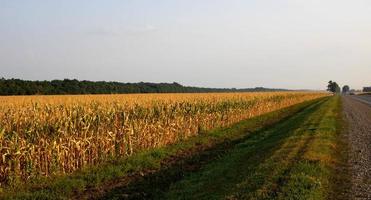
292 160
258 157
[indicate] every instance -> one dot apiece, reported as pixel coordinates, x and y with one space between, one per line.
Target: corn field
50 135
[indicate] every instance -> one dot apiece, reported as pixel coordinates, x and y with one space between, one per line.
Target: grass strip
295 159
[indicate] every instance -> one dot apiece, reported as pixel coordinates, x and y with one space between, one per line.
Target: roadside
292 153
363 98
358 115
294 159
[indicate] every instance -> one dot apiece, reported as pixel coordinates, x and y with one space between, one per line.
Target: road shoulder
358 116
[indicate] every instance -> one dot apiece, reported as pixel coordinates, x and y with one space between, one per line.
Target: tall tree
345 89
333 87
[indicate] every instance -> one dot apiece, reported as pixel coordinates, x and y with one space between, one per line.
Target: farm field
294 159
204 100
293 153
60 134
53 136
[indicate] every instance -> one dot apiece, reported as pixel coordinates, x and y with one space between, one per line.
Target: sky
294 44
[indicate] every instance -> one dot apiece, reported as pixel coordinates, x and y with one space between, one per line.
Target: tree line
335 88
73 86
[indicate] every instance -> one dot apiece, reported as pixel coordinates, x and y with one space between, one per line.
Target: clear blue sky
213 43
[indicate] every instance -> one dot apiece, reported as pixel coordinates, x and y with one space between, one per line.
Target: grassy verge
340 184
119 173
295 159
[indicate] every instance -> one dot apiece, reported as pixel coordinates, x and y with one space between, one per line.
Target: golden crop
46 135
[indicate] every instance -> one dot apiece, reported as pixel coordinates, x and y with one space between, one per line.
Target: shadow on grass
226 163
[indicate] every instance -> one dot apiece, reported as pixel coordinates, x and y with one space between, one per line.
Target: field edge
95 181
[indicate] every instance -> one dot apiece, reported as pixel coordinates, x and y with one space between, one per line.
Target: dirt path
358 115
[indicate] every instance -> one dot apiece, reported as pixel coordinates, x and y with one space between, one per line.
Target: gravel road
363 98
358 114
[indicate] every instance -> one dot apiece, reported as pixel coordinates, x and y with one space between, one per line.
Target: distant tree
329 86
366 89
345 89
333 87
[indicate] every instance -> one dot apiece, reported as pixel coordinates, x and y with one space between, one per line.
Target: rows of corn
48 135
